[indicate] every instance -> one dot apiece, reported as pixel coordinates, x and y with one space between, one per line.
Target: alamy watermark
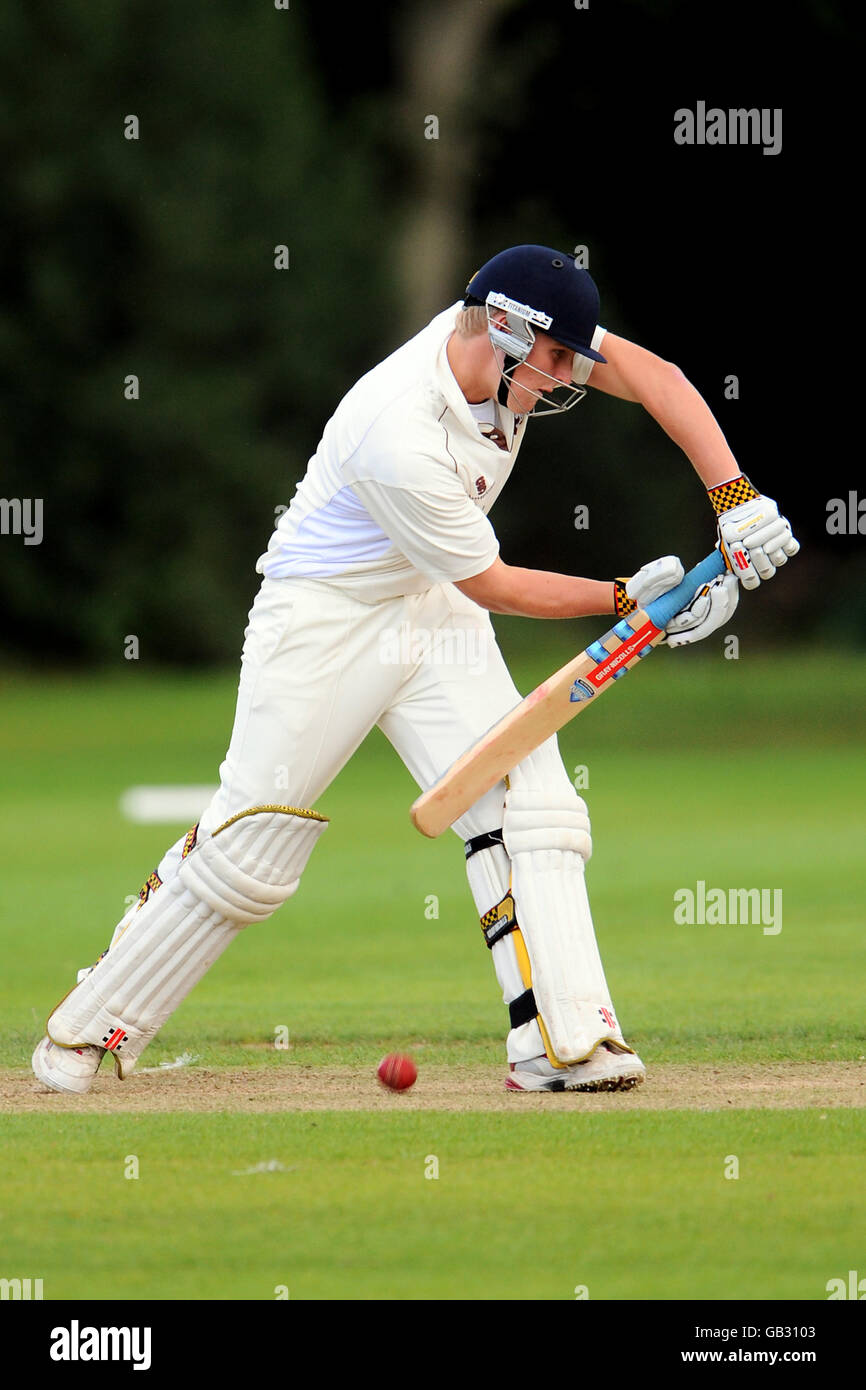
22 516
410 646
713 907
854 1287
846 516
21 1289
77 1343
737 126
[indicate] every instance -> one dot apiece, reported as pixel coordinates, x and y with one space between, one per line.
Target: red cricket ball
397 1071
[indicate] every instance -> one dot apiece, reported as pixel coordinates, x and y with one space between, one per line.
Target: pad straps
501 919
485 841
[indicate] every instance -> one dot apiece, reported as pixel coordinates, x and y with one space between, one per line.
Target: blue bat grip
662 609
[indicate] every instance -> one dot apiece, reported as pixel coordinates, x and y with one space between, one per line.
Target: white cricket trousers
320 669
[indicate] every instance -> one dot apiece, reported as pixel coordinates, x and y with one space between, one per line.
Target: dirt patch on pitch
777 1086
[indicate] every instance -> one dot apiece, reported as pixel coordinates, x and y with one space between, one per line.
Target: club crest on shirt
481 485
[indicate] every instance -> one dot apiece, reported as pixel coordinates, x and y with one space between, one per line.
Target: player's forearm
526 593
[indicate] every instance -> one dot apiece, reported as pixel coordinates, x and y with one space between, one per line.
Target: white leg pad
240 874
489 875
546 834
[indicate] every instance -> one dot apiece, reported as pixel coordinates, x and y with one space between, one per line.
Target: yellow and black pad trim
150 885
499 921
189 842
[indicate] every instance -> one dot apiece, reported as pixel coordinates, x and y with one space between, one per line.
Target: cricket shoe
606 1069
69 1069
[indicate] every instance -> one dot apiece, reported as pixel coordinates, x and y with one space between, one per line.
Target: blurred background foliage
307 127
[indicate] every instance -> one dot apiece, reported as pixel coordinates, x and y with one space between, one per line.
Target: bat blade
552 704
542 713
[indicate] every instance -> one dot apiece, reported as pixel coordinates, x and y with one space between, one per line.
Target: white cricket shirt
396 496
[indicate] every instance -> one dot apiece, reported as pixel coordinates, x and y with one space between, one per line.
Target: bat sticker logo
581 690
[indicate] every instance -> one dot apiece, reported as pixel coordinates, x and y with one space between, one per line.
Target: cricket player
374 609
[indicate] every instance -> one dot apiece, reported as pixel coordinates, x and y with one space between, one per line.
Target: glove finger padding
654 579
762 562
752 533
768 535
711 608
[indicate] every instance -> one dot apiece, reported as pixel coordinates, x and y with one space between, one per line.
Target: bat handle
662 609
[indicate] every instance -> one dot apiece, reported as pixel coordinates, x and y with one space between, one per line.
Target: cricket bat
553 703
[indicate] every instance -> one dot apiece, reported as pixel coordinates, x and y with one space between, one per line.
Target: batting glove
755 540
711 607
651 581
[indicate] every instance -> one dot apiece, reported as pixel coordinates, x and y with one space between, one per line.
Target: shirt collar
454 397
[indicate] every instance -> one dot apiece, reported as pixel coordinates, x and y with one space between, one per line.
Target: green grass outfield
738 774
532 1207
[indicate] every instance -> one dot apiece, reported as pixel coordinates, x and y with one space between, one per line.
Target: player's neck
474 366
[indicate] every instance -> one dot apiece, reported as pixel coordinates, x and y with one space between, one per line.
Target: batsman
374 609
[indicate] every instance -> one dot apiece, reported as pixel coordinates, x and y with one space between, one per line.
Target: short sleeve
441 532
